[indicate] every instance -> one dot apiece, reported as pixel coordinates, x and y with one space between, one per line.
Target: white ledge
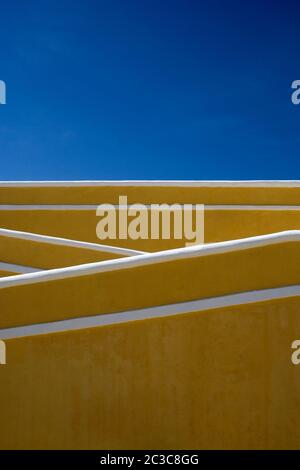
93 207
159 183
17 268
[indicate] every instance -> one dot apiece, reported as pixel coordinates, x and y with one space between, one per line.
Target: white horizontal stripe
67 242
16 268
153 183
153 312
93 207
250 207
153 258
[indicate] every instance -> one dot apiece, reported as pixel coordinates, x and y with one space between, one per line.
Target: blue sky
128 89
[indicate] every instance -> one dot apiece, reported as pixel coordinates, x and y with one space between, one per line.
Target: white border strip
152 312
153 258
157 183
34 237
252 207
16 268
93 207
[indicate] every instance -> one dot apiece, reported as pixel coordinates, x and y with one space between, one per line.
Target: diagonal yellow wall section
69 293
6 273
49 253
217 379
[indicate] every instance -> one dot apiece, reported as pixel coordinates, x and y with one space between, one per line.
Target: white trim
68 242
250 207
152 312
16 268
153 258
157 183
93 207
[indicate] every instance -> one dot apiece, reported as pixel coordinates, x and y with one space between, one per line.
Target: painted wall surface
233 211
150 192
218 379
220 225
6 273
146 285
49 255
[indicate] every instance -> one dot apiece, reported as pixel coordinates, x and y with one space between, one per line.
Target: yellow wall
219 378
47 255
150 194
149 285
6 273
219 225
215 379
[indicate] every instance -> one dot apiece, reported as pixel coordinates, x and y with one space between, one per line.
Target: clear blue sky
140 89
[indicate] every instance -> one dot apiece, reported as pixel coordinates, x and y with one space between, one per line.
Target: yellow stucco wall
78 224
215 379
153 193
219 225
48 255
6 273
149 285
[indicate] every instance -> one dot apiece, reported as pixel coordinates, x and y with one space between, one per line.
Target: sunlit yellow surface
80 223
151 285
149 194
219 226
6 273
216 379
47 255
212 379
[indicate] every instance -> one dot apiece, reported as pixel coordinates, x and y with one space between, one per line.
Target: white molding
153 258
93 207
157 183
152 312
16 268
251 207
67 242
